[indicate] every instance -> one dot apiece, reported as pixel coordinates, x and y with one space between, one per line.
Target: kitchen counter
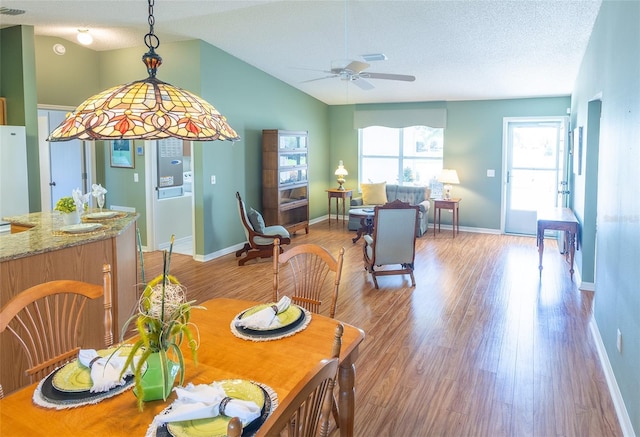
39 232
37 251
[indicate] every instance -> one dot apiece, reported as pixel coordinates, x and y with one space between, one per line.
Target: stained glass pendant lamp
146 109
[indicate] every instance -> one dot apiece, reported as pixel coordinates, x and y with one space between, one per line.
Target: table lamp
448 177
341 172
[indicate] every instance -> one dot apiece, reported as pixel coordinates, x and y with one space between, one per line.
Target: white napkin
105 371
265 318
79 199
98 189
204 401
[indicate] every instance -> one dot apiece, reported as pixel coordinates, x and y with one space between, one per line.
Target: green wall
610 71
472 145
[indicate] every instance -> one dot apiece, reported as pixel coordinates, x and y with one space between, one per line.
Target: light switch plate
491 173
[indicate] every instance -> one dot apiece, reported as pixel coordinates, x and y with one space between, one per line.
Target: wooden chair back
308 266
306 410
46 319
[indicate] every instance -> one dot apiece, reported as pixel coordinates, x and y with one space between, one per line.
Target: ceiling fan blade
362 84
320 78
402 77
356 66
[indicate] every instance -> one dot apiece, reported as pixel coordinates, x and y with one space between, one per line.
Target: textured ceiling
457 50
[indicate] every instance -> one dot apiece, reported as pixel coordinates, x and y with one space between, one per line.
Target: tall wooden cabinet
285 182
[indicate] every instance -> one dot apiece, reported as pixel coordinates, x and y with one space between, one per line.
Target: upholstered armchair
393 241
259 237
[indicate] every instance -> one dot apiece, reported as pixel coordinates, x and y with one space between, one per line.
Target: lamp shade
341 171
147 109
449 176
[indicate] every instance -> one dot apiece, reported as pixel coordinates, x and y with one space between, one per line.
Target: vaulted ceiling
457 50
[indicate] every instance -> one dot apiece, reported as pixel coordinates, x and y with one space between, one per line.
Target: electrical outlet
213 179
619 341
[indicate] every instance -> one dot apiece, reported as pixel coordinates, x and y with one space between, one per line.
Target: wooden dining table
279 364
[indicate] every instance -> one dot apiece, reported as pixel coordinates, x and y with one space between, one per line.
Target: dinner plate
101 215
289 320
217 426
76 378
81 228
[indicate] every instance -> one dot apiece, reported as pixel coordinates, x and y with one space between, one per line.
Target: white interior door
534 151
63 164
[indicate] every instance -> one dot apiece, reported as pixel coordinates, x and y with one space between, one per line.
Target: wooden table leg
540 238
435 211
454 222
572 249
346 396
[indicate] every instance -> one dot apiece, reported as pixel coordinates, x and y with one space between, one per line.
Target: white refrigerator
14 183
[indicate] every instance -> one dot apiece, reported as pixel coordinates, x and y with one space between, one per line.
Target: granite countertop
44 234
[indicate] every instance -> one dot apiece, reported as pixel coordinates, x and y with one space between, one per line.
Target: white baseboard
614 390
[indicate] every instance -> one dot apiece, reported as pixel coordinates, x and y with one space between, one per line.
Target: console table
560 219
338 194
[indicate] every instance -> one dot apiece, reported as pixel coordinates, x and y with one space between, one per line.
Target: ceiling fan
355 72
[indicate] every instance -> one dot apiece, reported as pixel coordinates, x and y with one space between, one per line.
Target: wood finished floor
480 347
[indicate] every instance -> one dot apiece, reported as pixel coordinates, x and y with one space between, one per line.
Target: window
410 155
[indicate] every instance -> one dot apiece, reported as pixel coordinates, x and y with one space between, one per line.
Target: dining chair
393 241
260 238
305 411
46 319
308 266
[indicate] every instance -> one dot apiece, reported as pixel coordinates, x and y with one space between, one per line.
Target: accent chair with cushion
380 193
393 241
259 237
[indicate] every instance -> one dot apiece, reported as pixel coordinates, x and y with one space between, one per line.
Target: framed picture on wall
577 150
122 154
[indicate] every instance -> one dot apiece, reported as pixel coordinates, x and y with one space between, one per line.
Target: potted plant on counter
71 206
162 324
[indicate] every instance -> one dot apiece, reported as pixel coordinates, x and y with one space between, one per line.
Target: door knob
52 184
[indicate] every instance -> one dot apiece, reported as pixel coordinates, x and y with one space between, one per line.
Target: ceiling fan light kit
372 57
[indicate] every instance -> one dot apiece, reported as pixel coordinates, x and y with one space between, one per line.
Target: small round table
366 221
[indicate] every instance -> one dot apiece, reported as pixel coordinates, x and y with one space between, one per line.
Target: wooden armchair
393 240
259 244
308 267
46 320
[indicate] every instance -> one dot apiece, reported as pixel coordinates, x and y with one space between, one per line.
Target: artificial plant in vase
71 206
162 324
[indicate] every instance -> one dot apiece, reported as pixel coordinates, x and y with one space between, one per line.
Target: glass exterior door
534 170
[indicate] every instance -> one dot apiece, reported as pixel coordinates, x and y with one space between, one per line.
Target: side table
451 204
366 221
338 194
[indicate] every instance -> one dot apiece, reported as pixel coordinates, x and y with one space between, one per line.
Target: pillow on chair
374 194
256 220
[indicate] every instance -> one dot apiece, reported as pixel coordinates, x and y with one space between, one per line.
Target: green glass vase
158 379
